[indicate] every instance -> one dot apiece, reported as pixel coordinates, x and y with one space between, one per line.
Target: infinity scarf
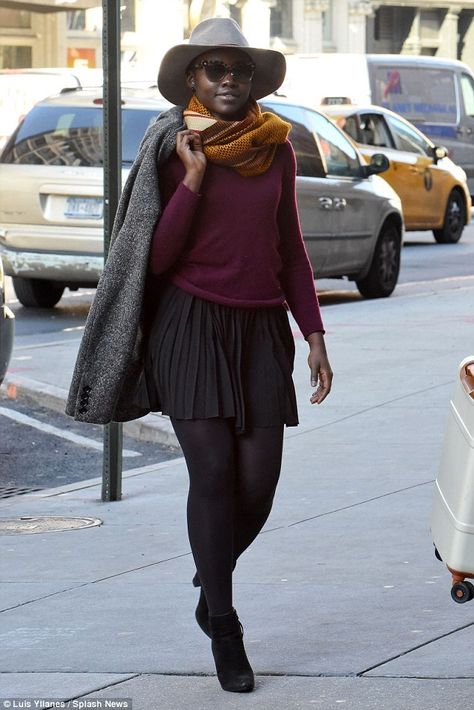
248 145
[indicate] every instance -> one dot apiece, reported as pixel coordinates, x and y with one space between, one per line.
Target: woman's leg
209 449
258 464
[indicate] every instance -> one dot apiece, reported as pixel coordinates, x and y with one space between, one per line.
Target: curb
152 428
54 492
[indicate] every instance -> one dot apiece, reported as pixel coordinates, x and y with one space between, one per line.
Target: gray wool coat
109 362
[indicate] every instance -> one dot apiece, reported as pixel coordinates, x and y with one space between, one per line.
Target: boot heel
234 671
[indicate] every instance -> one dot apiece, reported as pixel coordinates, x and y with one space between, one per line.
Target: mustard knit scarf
248 145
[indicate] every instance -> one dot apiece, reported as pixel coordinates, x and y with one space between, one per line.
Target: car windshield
71 135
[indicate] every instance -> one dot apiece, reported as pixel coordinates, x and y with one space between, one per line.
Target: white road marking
49 429
47 345
443 279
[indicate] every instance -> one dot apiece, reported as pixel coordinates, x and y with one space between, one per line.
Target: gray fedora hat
210 34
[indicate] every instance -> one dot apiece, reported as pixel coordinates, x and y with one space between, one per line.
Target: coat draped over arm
109 360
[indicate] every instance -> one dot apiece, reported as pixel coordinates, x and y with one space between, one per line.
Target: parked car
434 93
352 224
7 326
20 89
51 206
432 188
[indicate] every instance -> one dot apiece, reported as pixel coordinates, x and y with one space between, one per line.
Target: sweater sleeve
172 230
296 276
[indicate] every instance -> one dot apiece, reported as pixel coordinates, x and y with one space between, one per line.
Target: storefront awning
49 5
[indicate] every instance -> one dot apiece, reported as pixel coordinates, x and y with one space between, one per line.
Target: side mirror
439 152
378 164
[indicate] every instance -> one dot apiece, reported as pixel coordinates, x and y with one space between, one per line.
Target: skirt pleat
205 360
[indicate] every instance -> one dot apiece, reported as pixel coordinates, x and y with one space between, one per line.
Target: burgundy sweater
239 241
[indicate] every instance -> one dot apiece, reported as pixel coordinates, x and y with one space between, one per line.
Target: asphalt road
35 456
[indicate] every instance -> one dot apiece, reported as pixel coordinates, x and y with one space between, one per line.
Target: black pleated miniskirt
205 360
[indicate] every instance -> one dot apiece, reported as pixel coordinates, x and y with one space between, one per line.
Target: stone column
298 23
412 44
256 22
50 50
158 26
448 34
358 11
312 36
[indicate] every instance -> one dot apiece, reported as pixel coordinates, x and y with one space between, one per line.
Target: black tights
232 482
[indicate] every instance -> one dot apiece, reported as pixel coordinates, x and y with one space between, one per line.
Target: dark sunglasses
215 71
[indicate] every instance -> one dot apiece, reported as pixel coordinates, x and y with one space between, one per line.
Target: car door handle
340 203
325 203
462 130
415 170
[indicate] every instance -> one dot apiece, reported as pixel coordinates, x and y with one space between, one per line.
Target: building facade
149 27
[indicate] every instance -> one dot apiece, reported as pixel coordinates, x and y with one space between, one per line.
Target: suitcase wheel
462 592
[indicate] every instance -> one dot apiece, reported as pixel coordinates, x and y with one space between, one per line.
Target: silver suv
51 201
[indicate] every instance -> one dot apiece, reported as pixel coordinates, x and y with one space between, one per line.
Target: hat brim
269 73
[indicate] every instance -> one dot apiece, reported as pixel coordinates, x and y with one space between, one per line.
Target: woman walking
214 351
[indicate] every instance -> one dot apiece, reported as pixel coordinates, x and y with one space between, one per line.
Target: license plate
84 208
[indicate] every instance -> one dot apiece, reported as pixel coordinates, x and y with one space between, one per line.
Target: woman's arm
173 228
298 282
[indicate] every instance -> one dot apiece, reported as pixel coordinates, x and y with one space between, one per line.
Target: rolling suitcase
452 517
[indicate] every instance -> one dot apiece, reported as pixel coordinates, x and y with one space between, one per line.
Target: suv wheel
454 220
37 293
382 276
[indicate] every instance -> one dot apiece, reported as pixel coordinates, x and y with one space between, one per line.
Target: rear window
421 94
63 135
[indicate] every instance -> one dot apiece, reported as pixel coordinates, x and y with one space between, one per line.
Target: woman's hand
190 151
321 373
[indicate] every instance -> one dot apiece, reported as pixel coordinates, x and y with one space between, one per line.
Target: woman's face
225 99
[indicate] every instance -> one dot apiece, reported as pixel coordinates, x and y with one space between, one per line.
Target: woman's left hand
321 373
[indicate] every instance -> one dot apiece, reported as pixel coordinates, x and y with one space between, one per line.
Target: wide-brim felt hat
212 34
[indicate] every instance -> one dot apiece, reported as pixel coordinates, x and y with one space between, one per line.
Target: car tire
382 276
454 220
37 293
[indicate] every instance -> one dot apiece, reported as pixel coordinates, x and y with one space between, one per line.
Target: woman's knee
213 475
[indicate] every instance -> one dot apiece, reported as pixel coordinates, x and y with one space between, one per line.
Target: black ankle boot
233 668
202 613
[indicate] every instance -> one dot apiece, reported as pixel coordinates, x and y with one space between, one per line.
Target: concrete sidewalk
341 597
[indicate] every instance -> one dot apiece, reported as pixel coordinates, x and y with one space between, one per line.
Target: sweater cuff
311 324
186 194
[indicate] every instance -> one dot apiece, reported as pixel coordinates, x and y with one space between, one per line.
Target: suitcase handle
467 379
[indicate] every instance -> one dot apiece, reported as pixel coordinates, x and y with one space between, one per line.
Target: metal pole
112 460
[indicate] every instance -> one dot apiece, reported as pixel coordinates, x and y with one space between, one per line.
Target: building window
384 23
76 20
15 57
15 19
327 24
128 16
281 19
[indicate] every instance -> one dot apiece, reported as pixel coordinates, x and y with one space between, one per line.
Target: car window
374 130
407 139
419 93
467 87
338 152
64 135
308 159
350 125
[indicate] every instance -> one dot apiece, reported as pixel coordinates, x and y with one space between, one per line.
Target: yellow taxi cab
433 190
